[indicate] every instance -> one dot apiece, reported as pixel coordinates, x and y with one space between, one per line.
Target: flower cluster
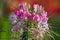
23 17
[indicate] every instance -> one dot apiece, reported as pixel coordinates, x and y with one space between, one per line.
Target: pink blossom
20 6
17 12
44 14
40 7
36 18
44 19
35 7
26 13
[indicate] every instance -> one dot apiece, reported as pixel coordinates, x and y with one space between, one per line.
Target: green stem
25 33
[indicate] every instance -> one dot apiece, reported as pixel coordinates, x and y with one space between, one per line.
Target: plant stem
25 33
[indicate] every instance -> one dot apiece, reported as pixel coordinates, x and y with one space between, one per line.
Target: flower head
23 18
13 17
35 7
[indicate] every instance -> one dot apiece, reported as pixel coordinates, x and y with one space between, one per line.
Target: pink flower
26 13
40 7
20 6
44 14
44 19
32 15
17 12
35 7
36 18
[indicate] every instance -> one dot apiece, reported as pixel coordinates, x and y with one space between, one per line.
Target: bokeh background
8 6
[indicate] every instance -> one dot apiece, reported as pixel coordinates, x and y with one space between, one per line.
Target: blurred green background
5 25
